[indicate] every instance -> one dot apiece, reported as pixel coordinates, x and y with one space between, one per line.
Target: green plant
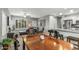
7 41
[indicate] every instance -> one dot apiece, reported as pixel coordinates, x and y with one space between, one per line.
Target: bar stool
75 39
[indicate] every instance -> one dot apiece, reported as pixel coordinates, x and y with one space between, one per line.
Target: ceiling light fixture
27 14
60 13
71 11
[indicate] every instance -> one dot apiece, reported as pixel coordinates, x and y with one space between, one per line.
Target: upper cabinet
70 22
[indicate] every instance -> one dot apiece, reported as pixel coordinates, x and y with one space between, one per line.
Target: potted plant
6 43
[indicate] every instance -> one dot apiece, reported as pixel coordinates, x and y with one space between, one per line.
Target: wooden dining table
34 42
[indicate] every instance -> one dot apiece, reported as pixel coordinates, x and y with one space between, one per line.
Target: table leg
23 45
78 44
68 40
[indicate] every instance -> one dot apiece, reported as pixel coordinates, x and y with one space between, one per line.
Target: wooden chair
58 35
10 35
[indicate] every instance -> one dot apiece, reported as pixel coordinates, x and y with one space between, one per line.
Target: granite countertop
67 30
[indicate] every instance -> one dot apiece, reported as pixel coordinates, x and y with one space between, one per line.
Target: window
21 23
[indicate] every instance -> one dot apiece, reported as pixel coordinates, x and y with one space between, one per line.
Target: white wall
46 19
52 22
13 18
34 23
0 23
4 23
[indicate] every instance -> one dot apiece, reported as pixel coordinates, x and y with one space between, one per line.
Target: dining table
45 42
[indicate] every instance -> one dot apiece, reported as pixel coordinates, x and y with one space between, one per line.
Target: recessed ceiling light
71 11
60 13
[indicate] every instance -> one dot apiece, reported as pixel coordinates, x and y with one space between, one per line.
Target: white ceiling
39 12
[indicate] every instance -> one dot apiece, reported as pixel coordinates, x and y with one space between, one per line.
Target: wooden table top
48 43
